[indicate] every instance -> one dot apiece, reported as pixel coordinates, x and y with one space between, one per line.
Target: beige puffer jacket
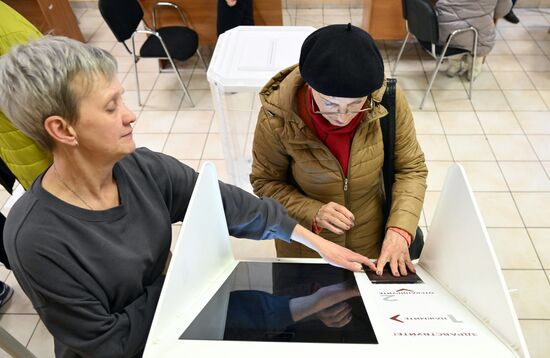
292 165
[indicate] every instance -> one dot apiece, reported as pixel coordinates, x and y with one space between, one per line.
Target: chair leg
432 79
399 55
472 75
202 60
136 70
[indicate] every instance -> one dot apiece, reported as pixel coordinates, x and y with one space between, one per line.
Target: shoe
511 17
477 66
455 66
5 293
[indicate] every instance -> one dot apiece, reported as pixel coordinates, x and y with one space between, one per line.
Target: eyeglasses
369 102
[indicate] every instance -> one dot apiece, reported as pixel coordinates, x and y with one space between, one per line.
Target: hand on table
396 252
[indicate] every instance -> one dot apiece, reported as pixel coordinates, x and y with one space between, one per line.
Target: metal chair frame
153 32
441 57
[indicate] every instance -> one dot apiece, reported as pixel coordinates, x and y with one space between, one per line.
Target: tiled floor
501 137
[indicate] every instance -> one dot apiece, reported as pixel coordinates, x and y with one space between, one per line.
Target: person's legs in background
510 16
476 68
455 65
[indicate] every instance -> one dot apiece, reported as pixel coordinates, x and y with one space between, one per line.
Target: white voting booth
461 309
244 59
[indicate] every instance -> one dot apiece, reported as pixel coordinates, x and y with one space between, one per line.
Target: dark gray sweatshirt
95 277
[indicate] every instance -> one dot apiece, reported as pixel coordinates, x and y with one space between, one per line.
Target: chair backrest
122 16
421 20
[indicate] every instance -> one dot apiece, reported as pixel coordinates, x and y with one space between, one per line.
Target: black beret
341 61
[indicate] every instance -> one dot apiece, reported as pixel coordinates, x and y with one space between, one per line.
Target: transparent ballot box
244 59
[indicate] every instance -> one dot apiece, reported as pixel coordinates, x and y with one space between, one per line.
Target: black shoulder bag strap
387 125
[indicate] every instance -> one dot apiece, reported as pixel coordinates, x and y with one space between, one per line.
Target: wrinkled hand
340 256
396 252
231 3
335 217
334 254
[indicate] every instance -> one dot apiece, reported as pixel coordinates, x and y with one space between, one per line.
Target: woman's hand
335 217
334 254
231 3
396 252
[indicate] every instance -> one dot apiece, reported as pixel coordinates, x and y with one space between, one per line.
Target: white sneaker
455 66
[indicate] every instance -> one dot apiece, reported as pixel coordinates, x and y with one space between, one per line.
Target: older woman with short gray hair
90 241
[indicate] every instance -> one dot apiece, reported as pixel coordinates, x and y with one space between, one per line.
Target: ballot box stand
244 59
461 308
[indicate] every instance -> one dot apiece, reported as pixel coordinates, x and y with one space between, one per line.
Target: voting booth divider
461 309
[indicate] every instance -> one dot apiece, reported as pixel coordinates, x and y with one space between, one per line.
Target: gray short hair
37 81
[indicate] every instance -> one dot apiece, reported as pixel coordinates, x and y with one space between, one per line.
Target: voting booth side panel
459 254
201 260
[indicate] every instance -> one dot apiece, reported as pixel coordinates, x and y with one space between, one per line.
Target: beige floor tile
534 63
103 34
545 46
514 249
336 19
146 81
427 123
163 101
201 98
436 174
501 48
546 166
489 100
525 100
306 21
499 123
484 176
170 82
435 147
451 100
524 47
193 122
213 148
513 81
104 45
155 142
541 144
503 63
514 33
511 147
412 80
545 95
20 327
485 81
193 163
541 80
131 99
541 241
185 146
525 176
533 19
534 208
460 123
198 81
154 122
19 303
498 210
470 147
148 65
408 63
415 96
530 299
534 122
41 343
536 335
538 33
444 82
125 64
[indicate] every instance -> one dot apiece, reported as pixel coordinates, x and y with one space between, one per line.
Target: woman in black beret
318 149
